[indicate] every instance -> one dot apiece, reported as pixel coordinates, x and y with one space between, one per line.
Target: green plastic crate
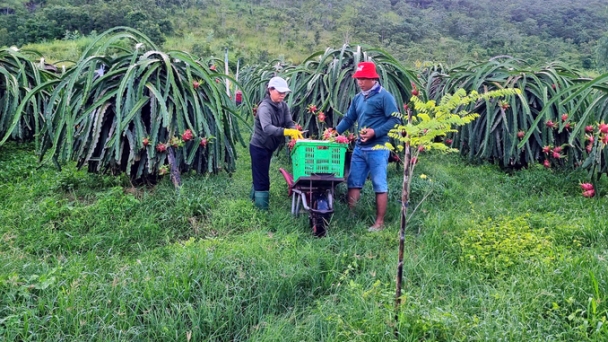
310 157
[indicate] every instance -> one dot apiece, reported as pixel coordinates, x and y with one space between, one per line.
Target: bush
495 246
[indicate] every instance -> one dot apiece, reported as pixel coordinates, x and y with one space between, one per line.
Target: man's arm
389 107
350 118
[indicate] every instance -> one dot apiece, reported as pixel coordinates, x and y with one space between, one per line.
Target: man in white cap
273 122
372 109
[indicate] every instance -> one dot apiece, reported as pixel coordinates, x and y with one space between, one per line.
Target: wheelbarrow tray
316 182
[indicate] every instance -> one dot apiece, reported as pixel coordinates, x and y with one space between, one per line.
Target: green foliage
254 82
587 319
43 22
87 255
431 121
545 123
426 124
325 80
513 133
494 246
593 131
122 108
263 30
19 75
601 52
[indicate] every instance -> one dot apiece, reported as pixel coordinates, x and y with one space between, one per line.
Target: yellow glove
292 133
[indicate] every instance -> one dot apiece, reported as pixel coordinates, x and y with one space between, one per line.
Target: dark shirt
271 120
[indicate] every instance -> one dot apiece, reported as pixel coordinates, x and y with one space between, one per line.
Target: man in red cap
372 109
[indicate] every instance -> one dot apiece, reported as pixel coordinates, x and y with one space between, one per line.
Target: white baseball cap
279 84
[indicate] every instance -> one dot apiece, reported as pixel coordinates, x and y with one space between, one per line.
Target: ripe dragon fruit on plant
187 135
321 116
311 108
415 91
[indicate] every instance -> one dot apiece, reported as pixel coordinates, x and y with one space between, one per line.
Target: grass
489 256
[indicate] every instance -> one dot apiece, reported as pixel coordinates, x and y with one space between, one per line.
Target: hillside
572 31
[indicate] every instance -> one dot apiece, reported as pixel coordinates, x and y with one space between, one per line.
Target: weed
495 246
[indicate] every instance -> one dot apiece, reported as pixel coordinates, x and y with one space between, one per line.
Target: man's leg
381 203
356 177
353 197
379 174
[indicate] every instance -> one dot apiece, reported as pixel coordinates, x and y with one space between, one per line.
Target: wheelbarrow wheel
318 224
320 214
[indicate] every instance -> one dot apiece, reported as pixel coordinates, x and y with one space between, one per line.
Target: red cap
366 70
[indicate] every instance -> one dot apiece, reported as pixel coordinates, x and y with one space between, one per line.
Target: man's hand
366 134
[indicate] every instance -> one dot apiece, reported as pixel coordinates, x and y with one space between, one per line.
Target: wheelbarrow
318 167
315 193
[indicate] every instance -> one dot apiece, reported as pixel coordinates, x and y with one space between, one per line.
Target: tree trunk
405 198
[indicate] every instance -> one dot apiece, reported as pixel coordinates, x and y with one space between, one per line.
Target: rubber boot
261 200
252 194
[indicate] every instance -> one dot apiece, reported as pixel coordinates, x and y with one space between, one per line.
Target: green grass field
490 256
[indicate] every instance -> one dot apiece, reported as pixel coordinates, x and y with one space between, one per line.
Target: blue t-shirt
373 110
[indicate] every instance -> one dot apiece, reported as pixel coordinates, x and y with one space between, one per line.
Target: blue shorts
368 161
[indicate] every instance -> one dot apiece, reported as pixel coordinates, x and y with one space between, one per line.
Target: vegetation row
126 106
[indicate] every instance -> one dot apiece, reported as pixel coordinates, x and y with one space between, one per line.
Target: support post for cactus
175 175
405 198
226 71
236 76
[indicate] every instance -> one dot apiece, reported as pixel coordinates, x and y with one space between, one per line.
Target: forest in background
443 31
